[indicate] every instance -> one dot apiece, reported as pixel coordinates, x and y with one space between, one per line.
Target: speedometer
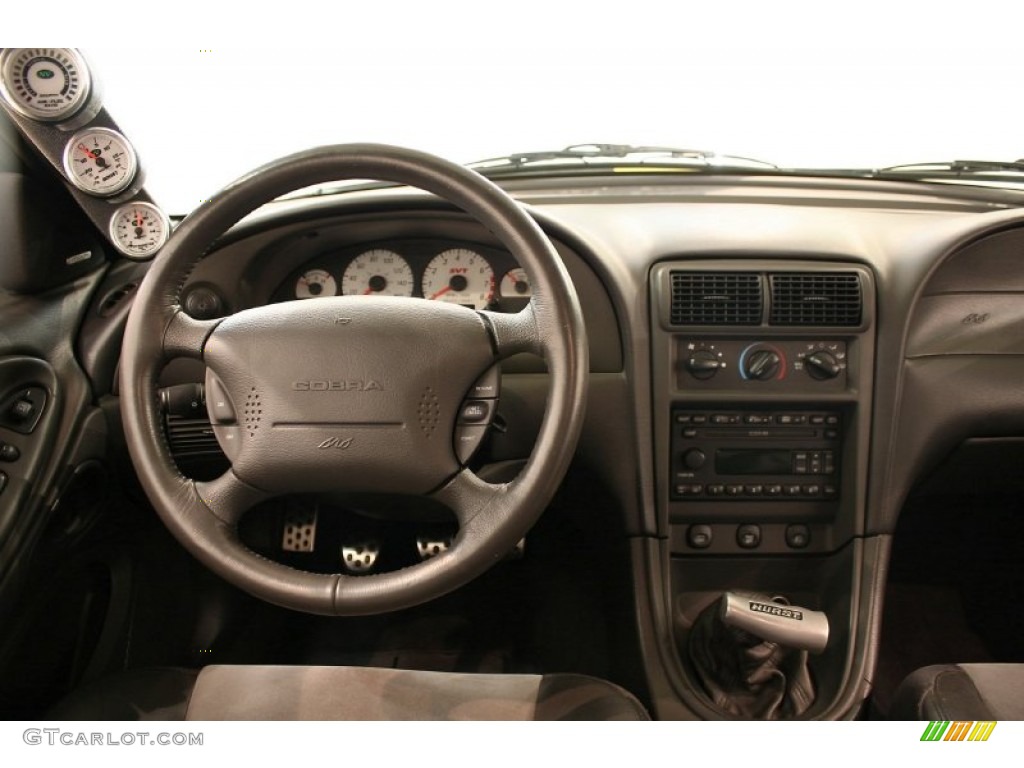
459 276
379 272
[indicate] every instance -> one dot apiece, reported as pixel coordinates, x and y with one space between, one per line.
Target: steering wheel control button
488 386
22 410
221 411
798 536
467 440
3 481
9 452
204 303
699 536
475 412
748 536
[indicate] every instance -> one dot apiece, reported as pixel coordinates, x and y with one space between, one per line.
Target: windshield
227 111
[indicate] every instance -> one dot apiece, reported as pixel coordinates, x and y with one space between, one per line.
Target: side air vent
716 298
815 298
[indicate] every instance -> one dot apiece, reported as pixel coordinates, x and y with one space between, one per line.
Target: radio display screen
753 462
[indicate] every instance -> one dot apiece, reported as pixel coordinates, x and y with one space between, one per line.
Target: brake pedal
360 557
299 534
431 547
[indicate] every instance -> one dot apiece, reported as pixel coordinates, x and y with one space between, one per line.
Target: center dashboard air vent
716 298
815 298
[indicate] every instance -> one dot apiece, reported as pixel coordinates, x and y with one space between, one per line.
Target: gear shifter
750 651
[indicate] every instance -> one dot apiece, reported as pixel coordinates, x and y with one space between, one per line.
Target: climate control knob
822 365
703 364
762 365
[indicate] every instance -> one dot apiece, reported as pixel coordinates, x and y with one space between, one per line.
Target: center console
762 373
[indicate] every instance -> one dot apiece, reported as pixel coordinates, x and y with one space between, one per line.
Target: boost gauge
100 161
139 229
459 276
48 84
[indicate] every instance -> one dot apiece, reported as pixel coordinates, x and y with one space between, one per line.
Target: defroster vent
815 298
716 298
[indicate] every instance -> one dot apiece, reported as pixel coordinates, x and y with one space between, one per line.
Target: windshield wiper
604 155
955 168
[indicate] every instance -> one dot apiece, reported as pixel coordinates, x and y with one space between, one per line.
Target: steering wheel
377 413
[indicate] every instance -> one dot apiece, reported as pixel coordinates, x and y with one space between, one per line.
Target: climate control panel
775 365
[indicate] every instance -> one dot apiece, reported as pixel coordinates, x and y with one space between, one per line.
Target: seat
345 693
961 692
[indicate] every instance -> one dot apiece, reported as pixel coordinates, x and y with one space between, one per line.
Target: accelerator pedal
360 556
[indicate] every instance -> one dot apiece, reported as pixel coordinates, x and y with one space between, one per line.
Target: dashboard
774 363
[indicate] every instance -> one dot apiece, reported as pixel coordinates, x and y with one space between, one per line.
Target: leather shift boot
746 676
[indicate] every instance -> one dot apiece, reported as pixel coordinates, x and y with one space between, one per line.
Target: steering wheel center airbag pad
352 393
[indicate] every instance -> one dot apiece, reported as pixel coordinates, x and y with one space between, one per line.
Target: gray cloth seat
345 693
961 692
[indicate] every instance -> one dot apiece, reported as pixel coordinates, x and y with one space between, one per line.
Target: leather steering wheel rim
492 518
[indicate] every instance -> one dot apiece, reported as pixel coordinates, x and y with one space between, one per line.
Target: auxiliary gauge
48 84
100 161
139 230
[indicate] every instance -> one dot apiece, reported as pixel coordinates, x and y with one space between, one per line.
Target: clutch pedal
299 534
360 557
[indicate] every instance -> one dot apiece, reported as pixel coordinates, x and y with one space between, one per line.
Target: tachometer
314 283
139 229
380 272
459 276
99 161
48 84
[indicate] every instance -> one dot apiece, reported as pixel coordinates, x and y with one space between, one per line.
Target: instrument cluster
470 274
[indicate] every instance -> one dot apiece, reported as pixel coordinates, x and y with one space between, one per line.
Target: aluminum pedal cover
360 557
431 546
299 534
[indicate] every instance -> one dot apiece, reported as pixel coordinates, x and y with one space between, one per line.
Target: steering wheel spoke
186 336
467 496
514 333
228 498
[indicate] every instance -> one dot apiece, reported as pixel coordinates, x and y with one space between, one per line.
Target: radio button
798 536
699 536
755 418
694 458
689 433
755 490
812 490
748 536
720 418
832 420
831 434
817 420
773 490
700 419
831 491
716 490
697 490
683 418
793 490
734 490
